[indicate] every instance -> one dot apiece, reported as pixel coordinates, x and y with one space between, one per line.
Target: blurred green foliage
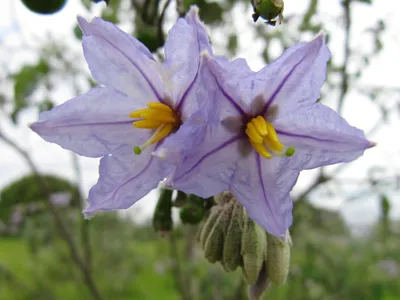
27 191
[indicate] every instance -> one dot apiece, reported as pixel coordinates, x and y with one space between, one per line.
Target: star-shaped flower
262 128
156 97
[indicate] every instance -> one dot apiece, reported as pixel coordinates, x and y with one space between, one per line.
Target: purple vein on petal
132 178
304 136
92 124
280 86
216 149
141 73
260 177
229 98
183 99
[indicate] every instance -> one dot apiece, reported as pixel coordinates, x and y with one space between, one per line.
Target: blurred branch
161 21
177 268
57 218
85 232
344 74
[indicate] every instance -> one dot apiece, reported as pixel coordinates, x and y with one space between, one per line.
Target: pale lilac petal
93 124
124 180
295 78
132 73
321 137
192 18
234 83
115 36
263 186
186 40
204 158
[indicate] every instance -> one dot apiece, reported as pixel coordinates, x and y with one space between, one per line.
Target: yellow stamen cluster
262 135
157 116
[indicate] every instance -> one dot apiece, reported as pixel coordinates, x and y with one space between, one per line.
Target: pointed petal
124 179
204 158
93 124
112 34
186 40
122 68
321 137
263 186
234 82
295 78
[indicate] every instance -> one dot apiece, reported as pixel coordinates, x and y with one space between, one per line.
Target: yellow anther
252 133
274 146
157 116
263 138
136 114
271 132
147 124
159 105
261 149
260 125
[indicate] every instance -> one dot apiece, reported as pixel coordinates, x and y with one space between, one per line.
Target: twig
160 22
177 270
345 75
59 223
85 232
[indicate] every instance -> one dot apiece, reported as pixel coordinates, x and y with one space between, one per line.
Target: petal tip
372 144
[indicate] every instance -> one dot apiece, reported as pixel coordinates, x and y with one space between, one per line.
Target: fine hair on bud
231 257
253 249
214 243
278 258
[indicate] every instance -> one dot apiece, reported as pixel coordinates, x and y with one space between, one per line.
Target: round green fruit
44 7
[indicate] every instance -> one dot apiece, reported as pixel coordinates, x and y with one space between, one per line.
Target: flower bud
193 210
257 290
278 258
231 257
268 10
209 224
253 249
213 247
162 218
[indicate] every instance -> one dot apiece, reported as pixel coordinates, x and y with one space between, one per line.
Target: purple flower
156 97
262 128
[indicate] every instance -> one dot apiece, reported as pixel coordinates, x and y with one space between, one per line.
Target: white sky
359 111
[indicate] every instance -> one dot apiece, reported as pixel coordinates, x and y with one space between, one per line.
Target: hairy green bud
257 289
209 224
278 258
231 257
268 10
252 250
213 247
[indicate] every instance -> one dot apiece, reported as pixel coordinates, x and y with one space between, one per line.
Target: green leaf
25 83
232 44
78 32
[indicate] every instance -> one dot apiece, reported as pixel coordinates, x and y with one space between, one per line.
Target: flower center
263 137
157 116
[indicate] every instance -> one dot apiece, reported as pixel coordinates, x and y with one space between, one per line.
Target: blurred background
346 227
